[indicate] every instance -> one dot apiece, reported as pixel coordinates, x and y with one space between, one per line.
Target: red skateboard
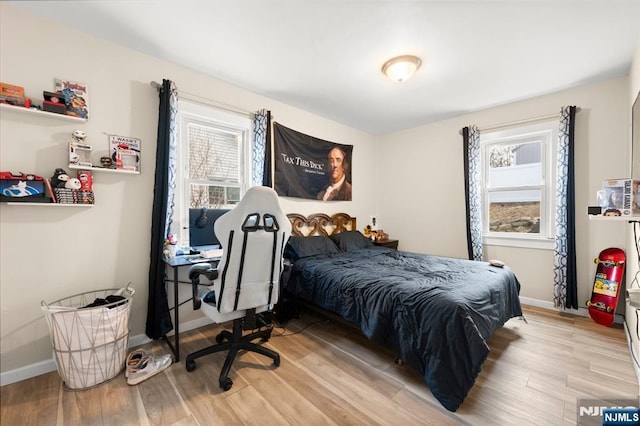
606 286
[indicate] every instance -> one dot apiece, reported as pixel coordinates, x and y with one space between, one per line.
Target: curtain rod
206 101
519 122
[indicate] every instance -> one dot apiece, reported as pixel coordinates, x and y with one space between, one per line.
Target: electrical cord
284 329
635 282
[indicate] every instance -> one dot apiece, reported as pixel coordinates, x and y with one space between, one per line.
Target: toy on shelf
70 190
59 178
79 151
86 180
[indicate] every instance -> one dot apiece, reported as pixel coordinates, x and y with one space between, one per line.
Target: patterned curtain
472 189
262 148
565 286
158 316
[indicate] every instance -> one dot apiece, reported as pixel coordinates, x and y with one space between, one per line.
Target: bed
435 313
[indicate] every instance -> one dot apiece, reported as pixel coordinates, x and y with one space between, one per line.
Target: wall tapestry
308 167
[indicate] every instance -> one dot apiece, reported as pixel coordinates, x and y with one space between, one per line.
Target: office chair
245 285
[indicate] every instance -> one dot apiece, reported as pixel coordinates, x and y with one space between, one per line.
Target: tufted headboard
321 224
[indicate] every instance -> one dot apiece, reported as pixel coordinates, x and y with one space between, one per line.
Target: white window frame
547 133
190 112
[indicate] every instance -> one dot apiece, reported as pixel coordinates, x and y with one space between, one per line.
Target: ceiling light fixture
401 68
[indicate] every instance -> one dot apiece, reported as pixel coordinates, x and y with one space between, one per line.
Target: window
518 194
213 160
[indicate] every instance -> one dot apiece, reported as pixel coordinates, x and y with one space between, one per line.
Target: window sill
522 242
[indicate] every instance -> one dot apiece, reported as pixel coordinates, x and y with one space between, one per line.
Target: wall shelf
601 218
103 169
41 113
48 204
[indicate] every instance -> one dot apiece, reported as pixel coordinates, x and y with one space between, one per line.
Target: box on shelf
622 197
125 152
12 100
11 90
80 154
18 186
54 102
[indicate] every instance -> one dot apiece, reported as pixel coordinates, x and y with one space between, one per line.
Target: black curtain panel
565 289
158 317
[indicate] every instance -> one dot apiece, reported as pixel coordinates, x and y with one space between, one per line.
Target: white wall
50 253
425 166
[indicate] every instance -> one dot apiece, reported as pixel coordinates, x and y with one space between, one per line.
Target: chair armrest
194 275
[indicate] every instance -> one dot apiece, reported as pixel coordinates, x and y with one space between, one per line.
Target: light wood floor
330 374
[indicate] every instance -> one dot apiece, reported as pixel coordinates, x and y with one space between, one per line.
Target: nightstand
393 244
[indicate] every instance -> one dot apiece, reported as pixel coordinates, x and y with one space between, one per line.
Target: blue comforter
435 313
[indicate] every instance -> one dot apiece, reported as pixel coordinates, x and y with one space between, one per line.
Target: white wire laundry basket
90 343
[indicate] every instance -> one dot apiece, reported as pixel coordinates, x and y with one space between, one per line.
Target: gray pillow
300 247
351 241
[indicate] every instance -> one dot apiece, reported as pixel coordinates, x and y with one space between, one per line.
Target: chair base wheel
226 384
223 336
190 365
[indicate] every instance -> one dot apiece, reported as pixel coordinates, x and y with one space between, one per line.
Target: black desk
176 263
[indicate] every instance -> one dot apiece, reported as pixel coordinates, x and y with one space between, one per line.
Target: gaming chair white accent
245 285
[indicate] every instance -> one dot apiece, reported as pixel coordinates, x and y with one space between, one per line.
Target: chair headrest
259 207
253 236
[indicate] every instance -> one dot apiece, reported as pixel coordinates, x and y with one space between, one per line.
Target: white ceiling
324 56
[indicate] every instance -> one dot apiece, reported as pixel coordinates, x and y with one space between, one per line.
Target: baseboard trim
549 305
47 366
583 312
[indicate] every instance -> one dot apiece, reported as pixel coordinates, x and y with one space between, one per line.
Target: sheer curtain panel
565 286
262 148
472 189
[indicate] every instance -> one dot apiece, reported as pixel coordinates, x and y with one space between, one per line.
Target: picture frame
125 152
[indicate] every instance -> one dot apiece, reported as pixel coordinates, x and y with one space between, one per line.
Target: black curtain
465 140
565 268
266 173
572 270
158 317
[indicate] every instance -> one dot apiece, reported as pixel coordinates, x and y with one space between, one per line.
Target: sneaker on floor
133 360
148 366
